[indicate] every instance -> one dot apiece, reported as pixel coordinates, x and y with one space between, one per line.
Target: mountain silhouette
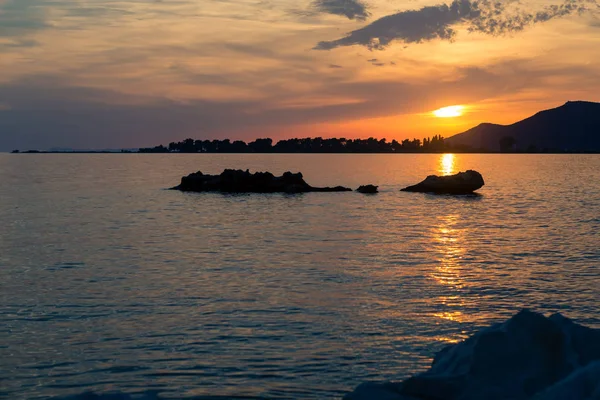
572 127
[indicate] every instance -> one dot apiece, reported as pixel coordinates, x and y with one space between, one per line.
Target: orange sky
124 73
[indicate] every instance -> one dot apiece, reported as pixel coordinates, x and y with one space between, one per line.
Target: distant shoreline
449 151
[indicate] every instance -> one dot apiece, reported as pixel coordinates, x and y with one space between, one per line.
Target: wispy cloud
21 43
20 16
351 9
490 17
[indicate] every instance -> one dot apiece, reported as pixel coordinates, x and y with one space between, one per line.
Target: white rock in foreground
584 383
528 356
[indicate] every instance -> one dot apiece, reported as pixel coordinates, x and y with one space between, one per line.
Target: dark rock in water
367 189
238 181
527 357
461 183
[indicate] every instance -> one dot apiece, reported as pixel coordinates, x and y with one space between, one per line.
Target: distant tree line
305 145
435 144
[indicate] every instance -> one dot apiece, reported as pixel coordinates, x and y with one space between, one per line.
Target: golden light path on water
447 164
449 242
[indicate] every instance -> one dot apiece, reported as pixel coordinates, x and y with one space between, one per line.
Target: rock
238 181
527 357
584 383
461 183
367 189
377 391
151 395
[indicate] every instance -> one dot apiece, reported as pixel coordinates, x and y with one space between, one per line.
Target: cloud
48 112
351 9
490 17
376 62
96 12
18 17
20 43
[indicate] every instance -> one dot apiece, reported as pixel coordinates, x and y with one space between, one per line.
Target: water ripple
111 284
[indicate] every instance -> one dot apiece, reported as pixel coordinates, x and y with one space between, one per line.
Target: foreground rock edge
528 356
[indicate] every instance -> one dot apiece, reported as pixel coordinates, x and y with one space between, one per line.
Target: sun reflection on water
454 277
448 242
447 164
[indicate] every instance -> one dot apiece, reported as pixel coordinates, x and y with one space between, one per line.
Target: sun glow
449 112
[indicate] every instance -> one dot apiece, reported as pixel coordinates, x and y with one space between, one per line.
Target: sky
135 73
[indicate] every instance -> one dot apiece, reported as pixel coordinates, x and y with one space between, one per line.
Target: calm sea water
110 283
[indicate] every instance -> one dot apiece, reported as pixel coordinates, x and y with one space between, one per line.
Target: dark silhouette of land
571 128
304 145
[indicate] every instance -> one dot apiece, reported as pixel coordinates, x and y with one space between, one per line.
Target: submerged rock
367 189
238 181
461 183
527 357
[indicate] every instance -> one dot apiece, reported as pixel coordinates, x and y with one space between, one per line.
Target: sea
110 283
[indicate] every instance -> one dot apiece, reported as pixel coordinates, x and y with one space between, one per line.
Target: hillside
572 127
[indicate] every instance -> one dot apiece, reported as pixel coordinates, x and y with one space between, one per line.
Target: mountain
572 127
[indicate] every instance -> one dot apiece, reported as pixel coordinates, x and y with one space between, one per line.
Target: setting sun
449 112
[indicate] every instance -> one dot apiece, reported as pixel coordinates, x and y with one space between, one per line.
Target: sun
449 112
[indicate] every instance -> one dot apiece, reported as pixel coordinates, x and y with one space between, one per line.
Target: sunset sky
130 73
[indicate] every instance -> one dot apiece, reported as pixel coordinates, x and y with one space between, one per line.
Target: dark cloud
18 17
335 66
351 9
491 17
376 62
22 17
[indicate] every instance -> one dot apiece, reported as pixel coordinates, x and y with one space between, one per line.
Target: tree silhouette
303 145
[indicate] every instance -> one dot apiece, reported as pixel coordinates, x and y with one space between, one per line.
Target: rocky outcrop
238 181
461 183
527 357
584 383
368 189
